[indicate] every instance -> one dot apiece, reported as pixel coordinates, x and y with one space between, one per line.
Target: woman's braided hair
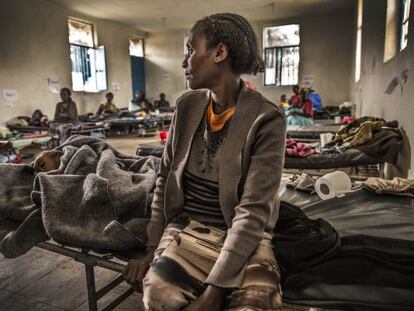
237 34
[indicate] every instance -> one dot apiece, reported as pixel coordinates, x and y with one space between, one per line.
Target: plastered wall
34 47
326 53
369 92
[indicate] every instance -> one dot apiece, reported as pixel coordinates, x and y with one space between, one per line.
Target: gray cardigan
249 176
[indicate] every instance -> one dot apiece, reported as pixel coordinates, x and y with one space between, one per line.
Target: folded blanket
357 133
98 198
397 186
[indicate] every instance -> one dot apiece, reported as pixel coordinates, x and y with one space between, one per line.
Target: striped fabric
202 199
184 259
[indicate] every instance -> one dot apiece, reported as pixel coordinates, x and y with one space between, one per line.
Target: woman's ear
222 53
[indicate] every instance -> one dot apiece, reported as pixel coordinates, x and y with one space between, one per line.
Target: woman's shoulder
192 96
269 107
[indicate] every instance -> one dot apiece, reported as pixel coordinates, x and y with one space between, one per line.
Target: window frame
95 48
92 32
131 38
265 49
402 21
394 42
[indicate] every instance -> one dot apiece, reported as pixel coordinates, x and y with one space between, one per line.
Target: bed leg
90 284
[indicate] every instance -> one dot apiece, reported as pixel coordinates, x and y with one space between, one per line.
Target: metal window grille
282 66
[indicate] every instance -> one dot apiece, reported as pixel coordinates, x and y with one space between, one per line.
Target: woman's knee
159 295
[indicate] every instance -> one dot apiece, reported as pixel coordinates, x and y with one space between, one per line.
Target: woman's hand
136 269
210 300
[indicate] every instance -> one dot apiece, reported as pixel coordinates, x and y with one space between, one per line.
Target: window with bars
396 27
405 15
88 62
282 55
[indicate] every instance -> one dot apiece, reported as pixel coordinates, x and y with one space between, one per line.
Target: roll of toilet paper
333 184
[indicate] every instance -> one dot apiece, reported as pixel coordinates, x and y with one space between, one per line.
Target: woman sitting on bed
216 203
107 108
66 110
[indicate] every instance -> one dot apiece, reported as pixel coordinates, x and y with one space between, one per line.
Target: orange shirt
216 121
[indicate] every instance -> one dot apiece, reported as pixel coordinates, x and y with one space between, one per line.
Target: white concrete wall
369 93
164 54
326 52
34 47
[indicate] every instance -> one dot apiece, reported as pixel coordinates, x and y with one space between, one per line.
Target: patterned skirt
184 258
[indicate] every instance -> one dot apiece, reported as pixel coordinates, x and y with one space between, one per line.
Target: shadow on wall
161 80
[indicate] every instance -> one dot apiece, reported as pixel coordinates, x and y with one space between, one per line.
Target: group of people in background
300 108
140 102
66 110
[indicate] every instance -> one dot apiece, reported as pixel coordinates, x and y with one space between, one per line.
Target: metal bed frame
90 261
310 132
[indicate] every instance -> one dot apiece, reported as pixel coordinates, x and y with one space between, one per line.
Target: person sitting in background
284 103
66 110
140 102
307 106
316 100
107 108
301 113
295 100
162 103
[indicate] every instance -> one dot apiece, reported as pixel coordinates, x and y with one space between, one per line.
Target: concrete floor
42 280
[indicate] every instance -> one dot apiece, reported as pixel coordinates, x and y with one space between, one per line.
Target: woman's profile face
199 62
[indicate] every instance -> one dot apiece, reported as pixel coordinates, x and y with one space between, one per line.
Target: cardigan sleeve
258 205
156 225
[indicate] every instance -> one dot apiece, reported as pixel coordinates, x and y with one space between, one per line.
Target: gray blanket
20 220
98 198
